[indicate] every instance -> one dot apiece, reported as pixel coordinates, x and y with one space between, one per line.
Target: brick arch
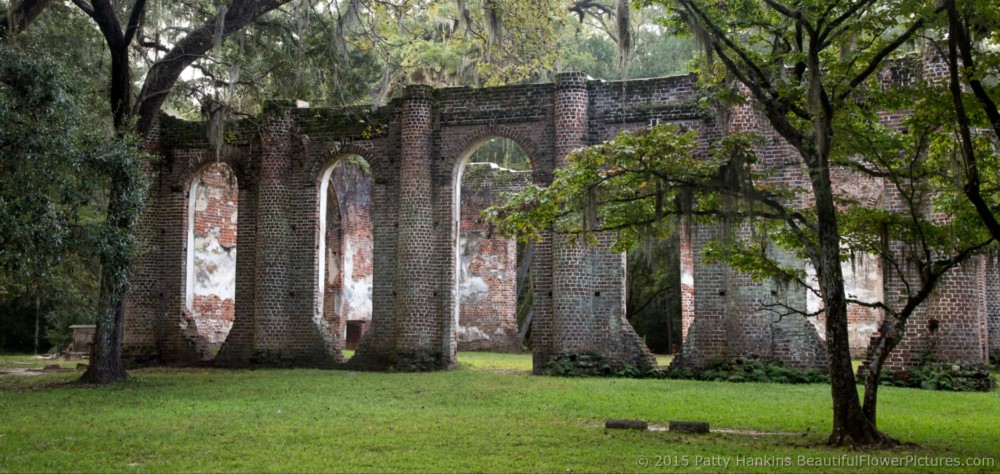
334 156
488 317
329 162
476 138
240 166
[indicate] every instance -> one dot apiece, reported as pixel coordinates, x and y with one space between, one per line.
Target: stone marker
615 424
688 426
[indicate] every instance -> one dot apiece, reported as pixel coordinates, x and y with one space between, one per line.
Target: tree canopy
55 169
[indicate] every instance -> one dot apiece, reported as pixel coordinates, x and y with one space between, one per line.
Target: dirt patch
653 427
728 431
22 372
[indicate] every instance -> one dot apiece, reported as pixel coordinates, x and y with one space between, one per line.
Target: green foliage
591 364
589 47
503 152
653 285
748 369
626 173
56 169
363 53
932 374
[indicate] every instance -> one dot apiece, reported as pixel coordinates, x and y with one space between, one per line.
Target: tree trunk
38 316
958 41
850 426
883 346
121 86
106 364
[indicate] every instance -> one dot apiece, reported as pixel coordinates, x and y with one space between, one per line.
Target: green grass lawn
487 415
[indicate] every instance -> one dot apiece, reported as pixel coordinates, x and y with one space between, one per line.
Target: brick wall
415 147
992 284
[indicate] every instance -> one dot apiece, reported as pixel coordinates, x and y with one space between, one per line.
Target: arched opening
493 295
345 249
210 295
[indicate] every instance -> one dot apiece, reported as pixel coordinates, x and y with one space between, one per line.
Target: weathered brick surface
993 305
416 147
211 281
487 263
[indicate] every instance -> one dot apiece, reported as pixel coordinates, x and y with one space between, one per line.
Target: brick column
992 284
239 345
572 304
416 327
273 236
588 282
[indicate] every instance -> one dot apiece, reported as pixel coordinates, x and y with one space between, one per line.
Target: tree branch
89 10
22 15
164 73
879 57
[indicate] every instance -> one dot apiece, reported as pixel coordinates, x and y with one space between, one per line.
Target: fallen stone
615 424
697 427
81 367
52 368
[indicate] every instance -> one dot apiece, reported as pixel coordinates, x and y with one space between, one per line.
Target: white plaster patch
862 282
470 333
357 293
473 290
687 278
863 279
861 333
813 301
215 267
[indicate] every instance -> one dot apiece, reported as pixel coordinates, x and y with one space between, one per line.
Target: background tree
125 187
53 163
17 17
968 111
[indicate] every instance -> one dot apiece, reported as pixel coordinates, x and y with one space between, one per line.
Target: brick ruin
316 236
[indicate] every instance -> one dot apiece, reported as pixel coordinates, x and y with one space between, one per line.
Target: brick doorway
488 276
346 259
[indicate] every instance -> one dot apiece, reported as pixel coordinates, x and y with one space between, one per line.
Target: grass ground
487 415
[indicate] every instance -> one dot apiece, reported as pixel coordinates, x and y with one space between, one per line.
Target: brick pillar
686 247
144 303
273 235
572 304
417 329
704 306
239 345
541 304
588 283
